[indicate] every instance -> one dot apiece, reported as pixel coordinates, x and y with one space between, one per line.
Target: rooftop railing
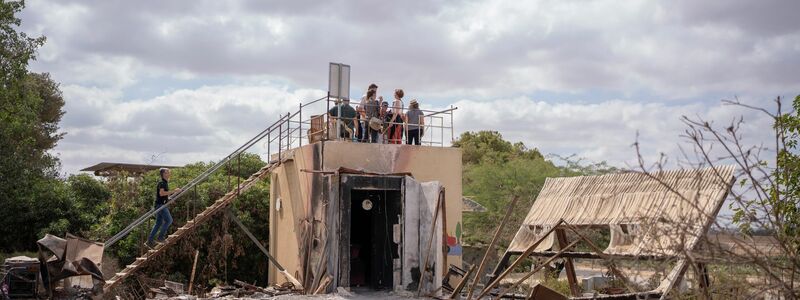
312 123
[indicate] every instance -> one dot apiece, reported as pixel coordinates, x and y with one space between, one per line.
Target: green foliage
489 146
17 48
30 109
225 251
784 195
561 286
494 171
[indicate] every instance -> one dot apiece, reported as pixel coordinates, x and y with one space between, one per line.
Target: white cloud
181 126
603 131
197 78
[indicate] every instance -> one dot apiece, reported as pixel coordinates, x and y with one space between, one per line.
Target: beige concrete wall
295 180
282 224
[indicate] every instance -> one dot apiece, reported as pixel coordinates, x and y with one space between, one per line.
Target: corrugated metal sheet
659 214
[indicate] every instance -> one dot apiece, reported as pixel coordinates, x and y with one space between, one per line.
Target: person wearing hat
346 120
415 123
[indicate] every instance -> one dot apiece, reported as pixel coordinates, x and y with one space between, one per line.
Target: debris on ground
240 289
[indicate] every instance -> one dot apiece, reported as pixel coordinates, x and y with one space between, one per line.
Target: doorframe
347 183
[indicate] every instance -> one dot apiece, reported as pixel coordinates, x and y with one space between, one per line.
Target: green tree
490 146
493 185
784 195
496 170
30 109
225 251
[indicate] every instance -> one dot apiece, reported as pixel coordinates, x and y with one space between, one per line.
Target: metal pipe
300 126
452 126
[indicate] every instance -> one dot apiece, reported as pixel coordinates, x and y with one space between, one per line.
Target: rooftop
112 168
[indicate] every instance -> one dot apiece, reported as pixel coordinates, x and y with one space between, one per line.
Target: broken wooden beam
491 247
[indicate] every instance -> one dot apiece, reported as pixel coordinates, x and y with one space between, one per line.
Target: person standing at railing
361 119
371 107
163 217
385 114
346 121
415 123
395 124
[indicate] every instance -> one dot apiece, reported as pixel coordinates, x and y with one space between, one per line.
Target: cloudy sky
191 80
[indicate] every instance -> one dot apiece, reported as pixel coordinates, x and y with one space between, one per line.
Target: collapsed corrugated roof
659 214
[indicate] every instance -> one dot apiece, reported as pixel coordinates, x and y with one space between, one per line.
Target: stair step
152 251
110 282
141 258
131 266
172 236
121 274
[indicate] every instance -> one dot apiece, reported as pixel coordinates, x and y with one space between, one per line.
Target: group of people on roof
374 121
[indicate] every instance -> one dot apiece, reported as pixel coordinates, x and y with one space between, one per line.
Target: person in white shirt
395 133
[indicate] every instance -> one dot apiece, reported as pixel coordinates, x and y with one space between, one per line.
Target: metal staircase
200 218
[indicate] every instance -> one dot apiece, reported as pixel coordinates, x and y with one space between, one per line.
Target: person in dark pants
362 123
371 106
415 123
163 217
346 121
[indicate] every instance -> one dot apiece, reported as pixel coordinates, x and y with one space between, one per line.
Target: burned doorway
371 231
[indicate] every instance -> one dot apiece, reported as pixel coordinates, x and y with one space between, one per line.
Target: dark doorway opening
373 249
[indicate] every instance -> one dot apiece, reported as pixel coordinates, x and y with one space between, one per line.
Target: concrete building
363 215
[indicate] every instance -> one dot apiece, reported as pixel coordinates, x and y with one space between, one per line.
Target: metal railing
438 125
289 132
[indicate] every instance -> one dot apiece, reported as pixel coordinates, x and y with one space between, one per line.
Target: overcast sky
191 80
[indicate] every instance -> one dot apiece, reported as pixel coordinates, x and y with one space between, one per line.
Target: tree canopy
31 106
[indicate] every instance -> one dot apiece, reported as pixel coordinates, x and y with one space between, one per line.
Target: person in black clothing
163 217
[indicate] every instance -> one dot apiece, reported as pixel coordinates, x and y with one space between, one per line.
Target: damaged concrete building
364 215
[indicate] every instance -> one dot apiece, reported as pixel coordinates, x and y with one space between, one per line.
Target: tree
490 146
225 250
30 109
764 197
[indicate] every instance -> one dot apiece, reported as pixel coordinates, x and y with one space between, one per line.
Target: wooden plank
444 230
199 218
462 283
604 256
537 269
489 249
326 281
194 269
430 247
519 260
570 267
